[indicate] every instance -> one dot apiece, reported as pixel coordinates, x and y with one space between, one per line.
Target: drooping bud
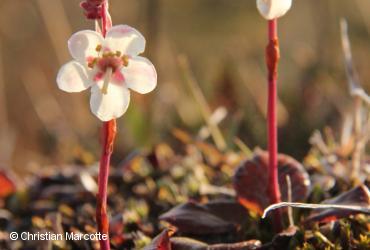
93 8
271 9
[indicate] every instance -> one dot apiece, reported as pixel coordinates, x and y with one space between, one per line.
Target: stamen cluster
108 59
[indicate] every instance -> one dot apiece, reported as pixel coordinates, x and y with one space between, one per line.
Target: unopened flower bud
271 9
93 8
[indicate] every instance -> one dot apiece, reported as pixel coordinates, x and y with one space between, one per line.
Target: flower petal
73 77
111 105
125 39
140 75
271 9
82 45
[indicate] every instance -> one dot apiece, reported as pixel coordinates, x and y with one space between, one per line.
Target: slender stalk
108 134
272 58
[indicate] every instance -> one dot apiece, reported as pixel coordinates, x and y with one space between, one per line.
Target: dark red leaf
183 243
228 210
251 181
7 186
282 239
196 219
162 241
358 196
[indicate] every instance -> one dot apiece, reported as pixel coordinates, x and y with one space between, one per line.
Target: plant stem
272 58
108 134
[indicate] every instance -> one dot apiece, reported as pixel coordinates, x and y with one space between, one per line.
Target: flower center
108 63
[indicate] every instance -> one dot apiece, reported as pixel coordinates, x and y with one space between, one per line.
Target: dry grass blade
353 80
243 147
290 210
359 95
201 100
365 210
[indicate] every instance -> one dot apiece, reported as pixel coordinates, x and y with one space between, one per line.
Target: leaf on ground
251 181
211 154
182 136
162 156
183 243
282 239
196 219
116 226
358 196
228 210
162 241
7 185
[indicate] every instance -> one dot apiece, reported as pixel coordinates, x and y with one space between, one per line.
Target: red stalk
272 59
108 134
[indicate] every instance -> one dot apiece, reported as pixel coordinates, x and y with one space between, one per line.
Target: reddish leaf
7 186
228 210
183 243
358 196
282 239
116 226
251 181
196 219
162 241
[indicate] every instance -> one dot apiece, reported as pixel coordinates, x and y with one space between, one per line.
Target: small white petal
271 9
73 77
111 105
125 39
140 75
82 45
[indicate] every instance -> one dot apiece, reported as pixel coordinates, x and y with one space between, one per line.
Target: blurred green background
224 41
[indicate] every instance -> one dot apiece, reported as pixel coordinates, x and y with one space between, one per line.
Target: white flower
271 9
110 66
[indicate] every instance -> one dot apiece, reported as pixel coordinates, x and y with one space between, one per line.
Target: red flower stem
108 134
272 58
106 19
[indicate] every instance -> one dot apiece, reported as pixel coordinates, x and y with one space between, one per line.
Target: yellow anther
98 48
125 60
92 63
118 53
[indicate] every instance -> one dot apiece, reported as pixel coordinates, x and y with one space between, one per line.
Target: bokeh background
224 42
